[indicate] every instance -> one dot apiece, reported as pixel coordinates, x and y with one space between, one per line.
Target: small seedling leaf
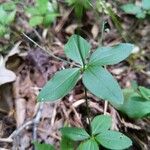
146 4
66 144
114 140
60 85
111 55
90 144
100 124
35 20
43 146
77 48
102 84
131 9
145 92
9 6
33 11
135 107
49 18
10 18
75 134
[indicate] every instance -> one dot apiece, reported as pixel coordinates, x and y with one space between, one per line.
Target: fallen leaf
6 75
95 31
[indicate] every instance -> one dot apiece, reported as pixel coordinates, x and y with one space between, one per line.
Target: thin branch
48 51
88 111
102 29
37 120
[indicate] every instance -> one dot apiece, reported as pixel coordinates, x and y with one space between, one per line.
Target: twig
102 29
48 51
37 120
87 111
62 22
18 130
105 107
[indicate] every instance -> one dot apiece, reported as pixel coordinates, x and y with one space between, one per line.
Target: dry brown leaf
6 75
71 28
95 30
20 105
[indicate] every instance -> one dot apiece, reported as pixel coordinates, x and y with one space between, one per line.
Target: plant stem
87 111
89 129
102 29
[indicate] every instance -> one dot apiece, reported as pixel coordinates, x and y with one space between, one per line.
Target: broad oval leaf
146 4
35 20
100 124
90 144
102 84
75 134
60 85
43 146
135 107
77 48
111 55
131 8
66 144
114 140
145 92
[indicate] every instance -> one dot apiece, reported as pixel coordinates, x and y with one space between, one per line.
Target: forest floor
22 119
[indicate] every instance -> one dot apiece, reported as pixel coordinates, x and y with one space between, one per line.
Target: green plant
43 146
44 12
79 6
139 11
136 102
7 16
101 135
97 80
94 76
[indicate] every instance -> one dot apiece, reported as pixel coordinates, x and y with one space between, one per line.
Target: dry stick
37 120
17 131
48 51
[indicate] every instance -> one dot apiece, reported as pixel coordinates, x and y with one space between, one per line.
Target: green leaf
39 146
10 18
131 9
114 140
146 4
77 48
42 6
66 144
9 6
145 92
75 134
90 144
135 107
60 85
49 18
35 20
33 11
79 6
3 30
134 85
102 84
141 15
111 55
43 3
3 15
128 92
100 124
